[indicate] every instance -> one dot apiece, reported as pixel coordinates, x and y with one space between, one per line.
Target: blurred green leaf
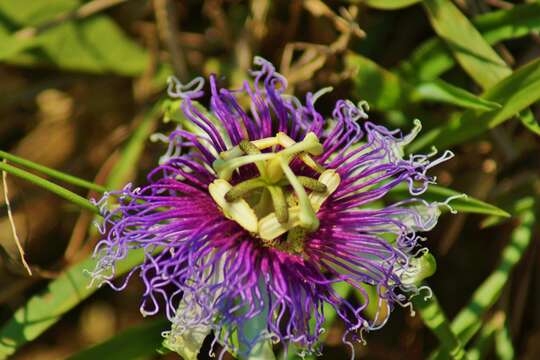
60 296
124 169
385 90
469 320
433 58
468 46
94 44
441 91
512 23
388 4
441 194
515 93
379 87
132 344
435 319
529 121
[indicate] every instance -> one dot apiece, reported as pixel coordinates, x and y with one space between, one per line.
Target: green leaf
435 319
94 44
388 4
520 20
515 93
441 91
61 295
385 90
132 344
379 87
433 58
468 321
467 45
529 121
441 194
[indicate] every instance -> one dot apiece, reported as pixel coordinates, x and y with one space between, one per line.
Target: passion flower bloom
260 207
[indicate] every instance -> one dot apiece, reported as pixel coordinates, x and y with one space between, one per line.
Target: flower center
277 202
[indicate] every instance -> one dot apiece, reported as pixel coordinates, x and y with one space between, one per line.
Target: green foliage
469 320
385 90
467 45
515 93
435 319
60 296
433 57
94 44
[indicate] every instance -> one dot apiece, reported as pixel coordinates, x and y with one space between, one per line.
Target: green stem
70 179
435 319
52 187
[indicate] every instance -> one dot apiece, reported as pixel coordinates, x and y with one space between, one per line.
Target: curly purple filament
224 274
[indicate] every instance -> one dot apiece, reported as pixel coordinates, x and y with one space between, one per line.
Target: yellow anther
261 144
241 189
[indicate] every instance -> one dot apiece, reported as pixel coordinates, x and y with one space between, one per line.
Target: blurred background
80 84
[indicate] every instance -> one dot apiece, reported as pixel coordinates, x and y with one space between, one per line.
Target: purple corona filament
259 210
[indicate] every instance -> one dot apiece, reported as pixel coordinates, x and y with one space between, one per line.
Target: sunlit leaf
441 91
433 58
385 90
94 44
515 93
379 87
467 45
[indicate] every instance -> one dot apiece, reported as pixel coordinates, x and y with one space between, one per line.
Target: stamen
241 189
261 144
248 148
312 184
280 204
